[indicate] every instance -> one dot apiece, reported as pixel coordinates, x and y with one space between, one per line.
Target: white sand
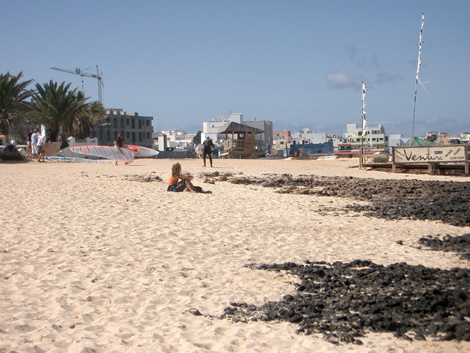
92 261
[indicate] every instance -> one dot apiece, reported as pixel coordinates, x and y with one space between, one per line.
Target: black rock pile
448 202
343 301
458 244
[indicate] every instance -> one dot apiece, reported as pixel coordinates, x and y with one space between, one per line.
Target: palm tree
57 107
86 118
13 96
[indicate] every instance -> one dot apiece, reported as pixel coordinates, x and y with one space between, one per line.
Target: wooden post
360 157
467 150
431 167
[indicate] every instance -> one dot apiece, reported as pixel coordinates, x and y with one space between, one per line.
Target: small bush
380 159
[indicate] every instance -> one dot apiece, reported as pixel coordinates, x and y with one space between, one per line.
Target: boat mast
417 74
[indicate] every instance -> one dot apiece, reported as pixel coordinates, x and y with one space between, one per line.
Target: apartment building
135 129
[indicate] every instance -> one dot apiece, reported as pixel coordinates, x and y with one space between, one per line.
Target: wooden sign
429 154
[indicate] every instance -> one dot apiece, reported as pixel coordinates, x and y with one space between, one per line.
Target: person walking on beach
40 147
28 144
208 149
119 144
34 143
178 182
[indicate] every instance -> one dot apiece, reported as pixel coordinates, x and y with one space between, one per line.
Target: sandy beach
96 259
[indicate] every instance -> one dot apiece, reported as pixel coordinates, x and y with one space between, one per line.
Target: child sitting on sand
178 182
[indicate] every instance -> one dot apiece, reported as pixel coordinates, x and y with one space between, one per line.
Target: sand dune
94 261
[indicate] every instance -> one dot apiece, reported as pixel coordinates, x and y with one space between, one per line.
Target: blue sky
296 63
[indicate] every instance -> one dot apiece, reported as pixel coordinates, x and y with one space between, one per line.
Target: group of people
36 143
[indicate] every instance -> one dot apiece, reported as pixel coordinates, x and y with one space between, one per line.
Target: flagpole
417 74
364 124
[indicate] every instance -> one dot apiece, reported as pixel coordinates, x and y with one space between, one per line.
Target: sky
297 63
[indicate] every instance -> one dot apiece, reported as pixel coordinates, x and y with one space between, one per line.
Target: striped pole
417 74
364 123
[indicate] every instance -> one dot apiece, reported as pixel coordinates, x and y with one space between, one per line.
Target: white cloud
339 80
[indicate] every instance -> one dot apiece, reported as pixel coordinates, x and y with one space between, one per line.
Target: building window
122 123
127 122
128 135
115 123
133 123
140 124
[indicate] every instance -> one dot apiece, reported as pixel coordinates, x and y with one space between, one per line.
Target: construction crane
98 76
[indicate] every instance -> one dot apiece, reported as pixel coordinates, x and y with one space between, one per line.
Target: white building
175 139
305 136
374 136
267 135
465 137
397 140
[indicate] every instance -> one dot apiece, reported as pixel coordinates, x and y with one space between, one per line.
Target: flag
364 122
363 95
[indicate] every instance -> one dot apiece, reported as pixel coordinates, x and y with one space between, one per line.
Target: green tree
13 104
58 107
197 138
432 137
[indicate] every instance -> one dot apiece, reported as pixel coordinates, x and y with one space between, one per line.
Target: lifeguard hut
240 140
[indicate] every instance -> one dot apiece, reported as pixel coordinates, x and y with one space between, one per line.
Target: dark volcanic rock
448 202
459 244
344 301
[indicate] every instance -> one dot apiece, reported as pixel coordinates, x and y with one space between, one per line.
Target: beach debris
143 178
344 301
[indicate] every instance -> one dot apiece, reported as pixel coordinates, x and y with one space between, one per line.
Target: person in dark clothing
28 148
119 144
208 149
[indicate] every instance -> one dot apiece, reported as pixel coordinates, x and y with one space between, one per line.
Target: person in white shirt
34 143
40 146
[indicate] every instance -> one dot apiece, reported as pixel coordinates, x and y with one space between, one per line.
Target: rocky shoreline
344 301
447 202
